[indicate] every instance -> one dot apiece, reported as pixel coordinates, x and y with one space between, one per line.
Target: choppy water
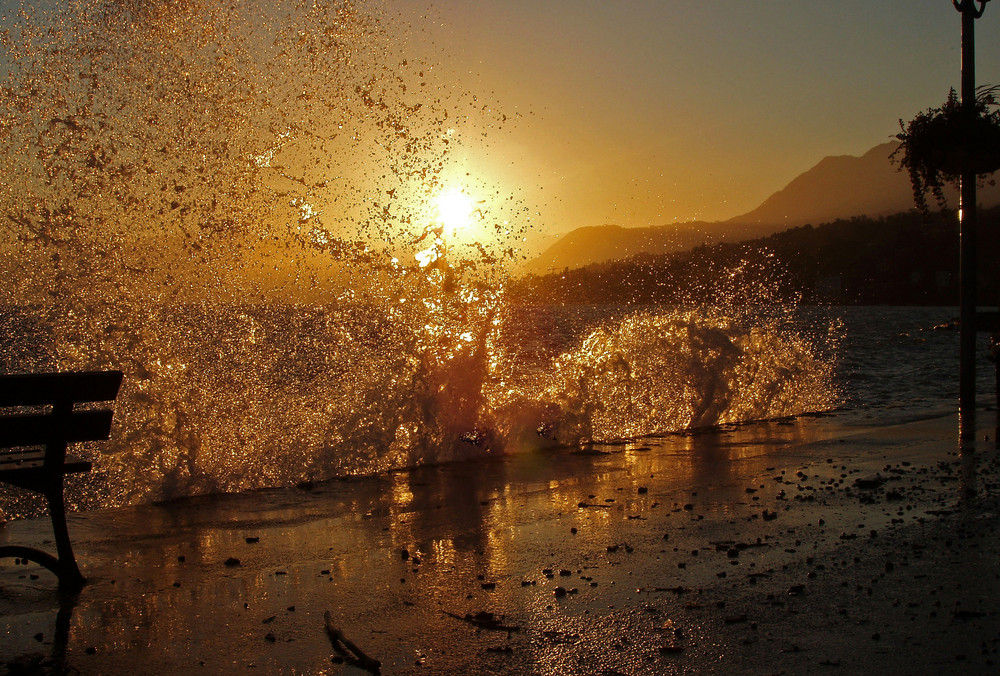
900 362
234 204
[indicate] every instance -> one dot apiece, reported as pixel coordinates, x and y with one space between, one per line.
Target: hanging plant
941 144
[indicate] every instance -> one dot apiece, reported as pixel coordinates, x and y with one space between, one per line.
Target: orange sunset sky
645 112
648 112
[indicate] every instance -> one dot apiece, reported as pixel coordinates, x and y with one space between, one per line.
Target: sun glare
455 210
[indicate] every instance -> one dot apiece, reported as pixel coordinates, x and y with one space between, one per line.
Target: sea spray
223 397
665 370
233 203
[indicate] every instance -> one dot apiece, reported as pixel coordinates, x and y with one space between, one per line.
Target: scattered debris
589 504
484 620
561 637
870 483
506 650
350 652
968 614
624 545
676 590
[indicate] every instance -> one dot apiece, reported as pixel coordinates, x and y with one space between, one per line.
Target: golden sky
646 112
643 112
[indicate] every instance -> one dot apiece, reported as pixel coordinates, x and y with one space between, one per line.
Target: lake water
903 361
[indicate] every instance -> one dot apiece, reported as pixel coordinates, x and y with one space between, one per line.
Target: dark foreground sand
780 547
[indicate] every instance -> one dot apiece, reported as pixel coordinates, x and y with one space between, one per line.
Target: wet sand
782 547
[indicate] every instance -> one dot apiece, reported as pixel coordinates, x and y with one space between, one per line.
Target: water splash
234 203
614 374
218 148
654 373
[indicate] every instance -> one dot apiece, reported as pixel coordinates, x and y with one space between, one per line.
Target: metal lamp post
971 10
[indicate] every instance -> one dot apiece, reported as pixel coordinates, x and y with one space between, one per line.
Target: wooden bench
33 447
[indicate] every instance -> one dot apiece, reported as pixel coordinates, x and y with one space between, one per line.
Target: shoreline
750 549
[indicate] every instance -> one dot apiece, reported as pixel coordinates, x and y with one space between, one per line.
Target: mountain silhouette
837 187
844 186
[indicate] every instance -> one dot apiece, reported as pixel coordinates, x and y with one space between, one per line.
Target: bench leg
31 554
69 573
65 568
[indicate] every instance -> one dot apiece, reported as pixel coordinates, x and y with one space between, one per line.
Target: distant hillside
600 243
842 187
838 187
902 259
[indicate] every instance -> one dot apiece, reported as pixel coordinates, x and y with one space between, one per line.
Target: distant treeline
904 259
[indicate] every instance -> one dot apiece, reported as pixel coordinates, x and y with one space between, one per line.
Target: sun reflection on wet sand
401 559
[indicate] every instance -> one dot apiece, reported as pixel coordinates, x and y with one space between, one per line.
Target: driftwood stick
484 620
356 655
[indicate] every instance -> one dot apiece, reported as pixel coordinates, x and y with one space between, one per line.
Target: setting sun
455 210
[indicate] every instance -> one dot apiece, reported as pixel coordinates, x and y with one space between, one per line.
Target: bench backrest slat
39 389
40 429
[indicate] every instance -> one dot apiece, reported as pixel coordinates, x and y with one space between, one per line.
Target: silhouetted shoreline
904 259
